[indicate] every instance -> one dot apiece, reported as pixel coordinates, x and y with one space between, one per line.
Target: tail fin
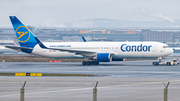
24 35
84 39
15 44
40 43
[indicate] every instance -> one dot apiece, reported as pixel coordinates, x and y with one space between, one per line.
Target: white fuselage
119 49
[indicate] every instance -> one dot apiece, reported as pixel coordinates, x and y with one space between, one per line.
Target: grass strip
55 74
7 74
48 74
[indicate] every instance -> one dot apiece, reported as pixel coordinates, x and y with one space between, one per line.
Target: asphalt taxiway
125 81
124 69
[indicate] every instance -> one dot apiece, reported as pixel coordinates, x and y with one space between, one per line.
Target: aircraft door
154 48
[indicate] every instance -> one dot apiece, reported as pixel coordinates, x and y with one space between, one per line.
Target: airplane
15 43
3 49
91 52
84 40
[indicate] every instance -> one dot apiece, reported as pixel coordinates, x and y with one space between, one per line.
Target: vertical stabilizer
25 37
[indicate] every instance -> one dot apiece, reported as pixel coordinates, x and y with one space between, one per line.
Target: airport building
160 36
170 37
66 35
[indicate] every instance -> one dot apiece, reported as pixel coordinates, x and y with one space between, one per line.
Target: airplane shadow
112 65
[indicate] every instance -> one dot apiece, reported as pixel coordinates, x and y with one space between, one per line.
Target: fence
84 90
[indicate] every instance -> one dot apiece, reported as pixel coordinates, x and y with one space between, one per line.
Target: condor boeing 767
92 52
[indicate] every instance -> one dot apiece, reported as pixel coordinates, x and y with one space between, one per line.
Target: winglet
40 43
84 39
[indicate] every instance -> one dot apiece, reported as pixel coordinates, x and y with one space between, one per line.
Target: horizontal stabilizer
18 48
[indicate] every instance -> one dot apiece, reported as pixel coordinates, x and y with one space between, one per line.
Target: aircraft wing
77 52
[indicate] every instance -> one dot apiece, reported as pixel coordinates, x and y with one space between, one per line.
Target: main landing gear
90 63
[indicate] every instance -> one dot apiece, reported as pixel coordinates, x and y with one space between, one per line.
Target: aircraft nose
171 51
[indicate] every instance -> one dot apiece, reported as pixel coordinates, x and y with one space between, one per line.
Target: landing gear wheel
168 64
88 62
96 63
92 62
84 63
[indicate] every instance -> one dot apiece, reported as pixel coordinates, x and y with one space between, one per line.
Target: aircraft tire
96 63
92 62
88 62
168 64
84 63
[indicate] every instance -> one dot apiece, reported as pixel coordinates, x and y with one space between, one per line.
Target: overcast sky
53 13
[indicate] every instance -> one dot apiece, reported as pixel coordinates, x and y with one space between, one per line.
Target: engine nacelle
103 57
